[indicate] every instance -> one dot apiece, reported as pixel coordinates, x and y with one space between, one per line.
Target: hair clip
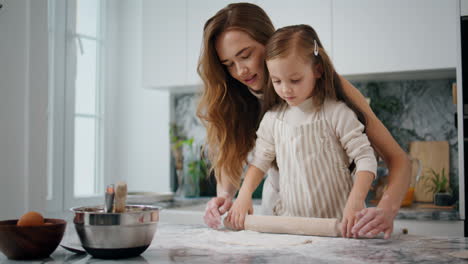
315 48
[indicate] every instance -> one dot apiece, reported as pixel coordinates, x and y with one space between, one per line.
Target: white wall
23 107
139 151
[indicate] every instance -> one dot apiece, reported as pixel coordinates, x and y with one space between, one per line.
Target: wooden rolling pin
309 226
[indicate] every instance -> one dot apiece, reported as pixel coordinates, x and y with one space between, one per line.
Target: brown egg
31 219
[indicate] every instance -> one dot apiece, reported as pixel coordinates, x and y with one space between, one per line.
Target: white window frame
62 107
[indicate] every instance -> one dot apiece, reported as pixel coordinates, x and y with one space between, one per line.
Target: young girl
312 130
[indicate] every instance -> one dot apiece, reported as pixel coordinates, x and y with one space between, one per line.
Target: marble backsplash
412 110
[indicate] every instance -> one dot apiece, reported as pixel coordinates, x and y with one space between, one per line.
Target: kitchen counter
175 243
418 211
183 238
427 211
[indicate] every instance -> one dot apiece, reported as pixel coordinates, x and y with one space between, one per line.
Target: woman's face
243 57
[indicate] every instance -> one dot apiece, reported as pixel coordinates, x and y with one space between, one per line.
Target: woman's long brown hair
299 39
227 108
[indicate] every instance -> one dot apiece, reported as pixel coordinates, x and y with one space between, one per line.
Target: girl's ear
318 70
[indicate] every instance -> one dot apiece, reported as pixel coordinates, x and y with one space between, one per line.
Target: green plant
191 164
439 182
178 140
197 169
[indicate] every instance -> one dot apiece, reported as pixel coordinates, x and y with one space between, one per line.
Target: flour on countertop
220 240
183 242
256 239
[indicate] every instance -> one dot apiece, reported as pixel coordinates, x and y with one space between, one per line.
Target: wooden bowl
30 242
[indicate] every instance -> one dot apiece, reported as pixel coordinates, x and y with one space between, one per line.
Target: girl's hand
372 221
241 207
215 208
350 216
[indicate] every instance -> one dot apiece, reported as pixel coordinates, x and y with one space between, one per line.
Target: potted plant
196 170
190 163
178 141
440 188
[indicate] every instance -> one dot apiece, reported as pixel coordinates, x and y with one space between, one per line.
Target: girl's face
243 57
293 78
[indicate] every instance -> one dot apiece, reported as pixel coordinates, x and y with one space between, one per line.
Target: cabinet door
316 13
164 43
464 7
198 12
375 36
443 228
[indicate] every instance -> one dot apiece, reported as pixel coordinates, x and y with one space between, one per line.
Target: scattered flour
220 240
256 239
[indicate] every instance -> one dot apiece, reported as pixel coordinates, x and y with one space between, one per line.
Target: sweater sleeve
350 132
264 152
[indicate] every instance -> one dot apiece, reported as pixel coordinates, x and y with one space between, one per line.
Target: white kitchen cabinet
173 32
198 12
378 36
316 13
164 42
464 7
172 38
429 228
361 36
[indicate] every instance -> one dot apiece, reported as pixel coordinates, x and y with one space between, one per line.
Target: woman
233 70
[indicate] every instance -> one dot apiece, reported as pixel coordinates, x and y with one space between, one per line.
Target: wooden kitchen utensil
433 155
291 225
120 198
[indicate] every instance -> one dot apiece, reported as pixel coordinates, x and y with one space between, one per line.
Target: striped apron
270 193
313 166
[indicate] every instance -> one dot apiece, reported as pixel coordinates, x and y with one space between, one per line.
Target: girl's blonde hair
303 41
227 108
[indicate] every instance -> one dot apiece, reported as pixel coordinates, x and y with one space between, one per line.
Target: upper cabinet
164 42
361 36
198 13
378 36
316 13
464 7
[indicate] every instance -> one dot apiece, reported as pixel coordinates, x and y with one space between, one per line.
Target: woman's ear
318 70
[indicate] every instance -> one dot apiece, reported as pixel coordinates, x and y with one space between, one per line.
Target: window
87 180
76 49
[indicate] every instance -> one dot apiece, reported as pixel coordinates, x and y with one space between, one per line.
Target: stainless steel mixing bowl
116 235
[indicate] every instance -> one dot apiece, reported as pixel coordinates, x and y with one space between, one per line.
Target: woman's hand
350 216
241 207
372 221
215 208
